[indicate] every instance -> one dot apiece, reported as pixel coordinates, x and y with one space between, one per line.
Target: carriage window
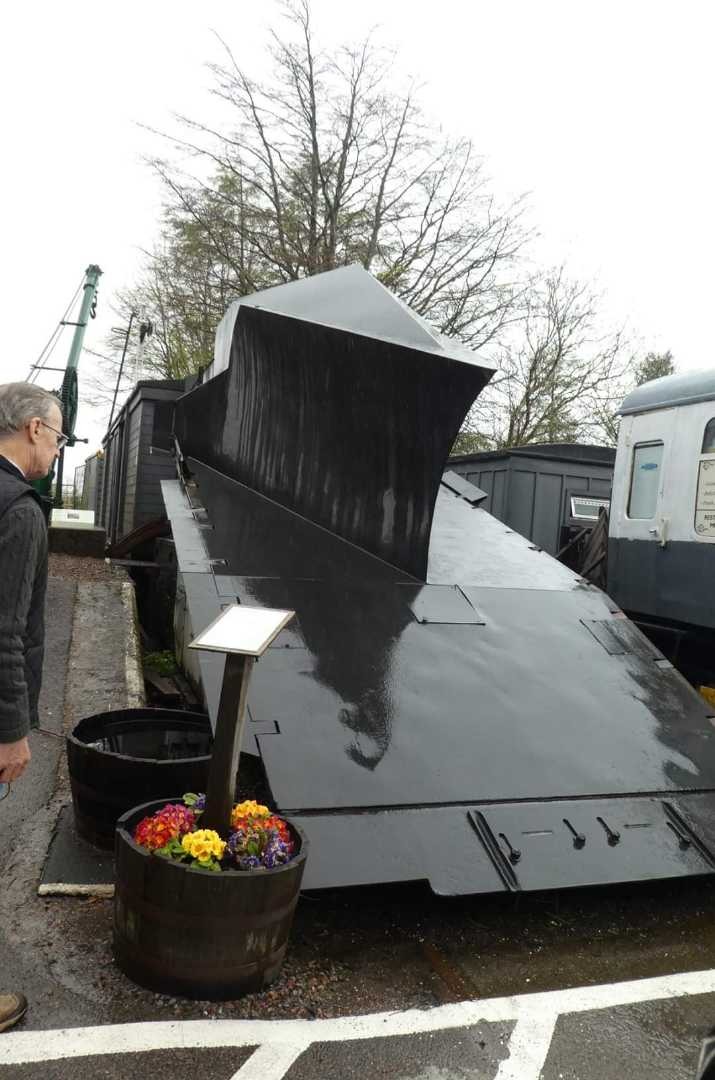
645 479
709 438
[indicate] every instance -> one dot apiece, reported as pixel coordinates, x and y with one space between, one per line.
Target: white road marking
270 1061
535 1015
528 1047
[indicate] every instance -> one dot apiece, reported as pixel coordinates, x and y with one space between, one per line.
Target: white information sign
72 519
242 629
705 499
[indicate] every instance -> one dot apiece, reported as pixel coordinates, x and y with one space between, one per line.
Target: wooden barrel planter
179 929
119 759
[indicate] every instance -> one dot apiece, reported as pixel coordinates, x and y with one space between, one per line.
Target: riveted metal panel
589 842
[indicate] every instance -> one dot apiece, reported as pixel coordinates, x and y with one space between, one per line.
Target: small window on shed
709 438
585 509
645 480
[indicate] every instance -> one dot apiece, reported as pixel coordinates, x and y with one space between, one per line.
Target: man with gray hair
30 441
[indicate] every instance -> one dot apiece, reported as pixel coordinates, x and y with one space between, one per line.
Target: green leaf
172 850
207 864
162 662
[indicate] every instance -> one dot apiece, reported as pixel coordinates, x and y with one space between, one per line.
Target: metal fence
77 489
70 501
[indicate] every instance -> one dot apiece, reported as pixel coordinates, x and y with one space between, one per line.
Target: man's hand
14 759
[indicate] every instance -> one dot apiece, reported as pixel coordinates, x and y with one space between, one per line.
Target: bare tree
559 373
652 366
327 163
322 165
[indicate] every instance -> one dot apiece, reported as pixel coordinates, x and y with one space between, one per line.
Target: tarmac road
394 982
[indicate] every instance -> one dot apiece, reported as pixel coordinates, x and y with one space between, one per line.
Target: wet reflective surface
147 742
389 703
406 706
446 683
148 739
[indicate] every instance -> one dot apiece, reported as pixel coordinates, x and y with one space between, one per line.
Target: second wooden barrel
119 759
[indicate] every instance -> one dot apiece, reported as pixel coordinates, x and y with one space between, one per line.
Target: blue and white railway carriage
661 555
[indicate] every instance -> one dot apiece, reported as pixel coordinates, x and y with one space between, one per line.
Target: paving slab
75 867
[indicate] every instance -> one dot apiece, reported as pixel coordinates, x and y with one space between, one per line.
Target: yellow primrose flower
250 808
204 844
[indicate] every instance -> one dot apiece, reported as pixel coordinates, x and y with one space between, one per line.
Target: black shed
91 491
137 457
546 492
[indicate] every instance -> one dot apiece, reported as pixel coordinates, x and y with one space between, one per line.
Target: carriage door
643 510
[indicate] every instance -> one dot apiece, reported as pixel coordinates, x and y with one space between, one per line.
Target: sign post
243 634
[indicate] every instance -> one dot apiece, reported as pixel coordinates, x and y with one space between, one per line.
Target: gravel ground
83 568
369 950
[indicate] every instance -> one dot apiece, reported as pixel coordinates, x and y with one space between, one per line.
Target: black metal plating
348 431
452 704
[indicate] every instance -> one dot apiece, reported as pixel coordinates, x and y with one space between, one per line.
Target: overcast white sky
603 112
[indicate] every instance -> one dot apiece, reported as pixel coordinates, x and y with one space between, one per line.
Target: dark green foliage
164 663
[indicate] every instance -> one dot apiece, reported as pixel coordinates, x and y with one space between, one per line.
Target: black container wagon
548 492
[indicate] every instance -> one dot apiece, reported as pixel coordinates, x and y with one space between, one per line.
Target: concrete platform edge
133 665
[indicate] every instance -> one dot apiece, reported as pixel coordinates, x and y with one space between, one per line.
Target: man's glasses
4 790
62 440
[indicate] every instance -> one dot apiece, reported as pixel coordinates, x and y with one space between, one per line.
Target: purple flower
236 842
255 847
249 862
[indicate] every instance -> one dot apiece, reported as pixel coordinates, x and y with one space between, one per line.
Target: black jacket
23 583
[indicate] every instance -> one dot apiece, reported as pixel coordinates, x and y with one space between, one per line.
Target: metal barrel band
168 917
155 973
